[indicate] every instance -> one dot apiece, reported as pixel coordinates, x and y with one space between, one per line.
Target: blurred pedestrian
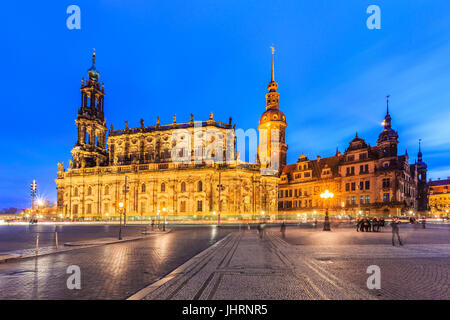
366 224
259 228
395 231
358 224
283 230
382 222
424 221
375 225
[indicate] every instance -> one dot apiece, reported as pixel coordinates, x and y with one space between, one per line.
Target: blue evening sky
159 58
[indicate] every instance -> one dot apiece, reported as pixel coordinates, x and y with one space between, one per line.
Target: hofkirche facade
146 169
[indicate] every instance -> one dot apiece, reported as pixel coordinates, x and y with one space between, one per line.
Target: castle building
439 196
178 170
365 180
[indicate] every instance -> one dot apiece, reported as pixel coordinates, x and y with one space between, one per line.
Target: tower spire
419 154
387 118
272 96
273 64
387 104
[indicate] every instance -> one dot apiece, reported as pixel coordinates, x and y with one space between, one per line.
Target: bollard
56 239
37 243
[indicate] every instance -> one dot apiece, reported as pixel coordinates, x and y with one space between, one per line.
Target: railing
161 166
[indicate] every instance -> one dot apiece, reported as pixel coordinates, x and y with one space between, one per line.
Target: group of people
374 225
369 224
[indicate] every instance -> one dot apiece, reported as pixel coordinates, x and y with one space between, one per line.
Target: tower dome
92 71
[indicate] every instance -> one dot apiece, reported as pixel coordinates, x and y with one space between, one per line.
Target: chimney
318 158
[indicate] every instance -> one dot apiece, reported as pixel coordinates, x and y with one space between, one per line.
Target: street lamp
326 195
120 224
164 226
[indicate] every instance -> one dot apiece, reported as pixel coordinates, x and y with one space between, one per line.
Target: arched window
163 187
183 187
89 191
106 190
143 187
199 186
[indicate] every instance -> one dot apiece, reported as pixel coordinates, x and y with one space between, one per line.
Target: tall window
163 187
106 190
199 205
75 209
183 206
75 193
142 207
367 185
386 183
143 188
89 208
199 186
89 191
183 186
386 197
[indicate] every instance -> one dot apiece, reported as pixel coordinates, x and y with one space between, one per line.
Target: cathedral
186 170
191 170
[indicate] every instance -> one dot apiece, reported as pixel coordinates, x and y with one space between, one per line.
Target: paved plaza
326 265
113 271
211 263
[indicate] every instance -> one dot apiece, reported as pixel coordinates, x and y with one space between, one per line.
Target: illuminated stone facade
365 180
439 196
179 170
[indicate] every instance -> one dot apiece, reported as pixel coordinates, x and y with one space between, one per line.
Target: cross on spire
273 72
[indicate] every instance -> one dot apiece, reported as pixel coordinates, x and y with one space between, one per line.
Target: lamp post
120 224
159 224
125 190
326 195
220 187
33 195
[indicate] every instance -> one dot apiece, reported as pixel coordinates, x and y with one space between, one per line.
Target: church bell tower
272 147
90 148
